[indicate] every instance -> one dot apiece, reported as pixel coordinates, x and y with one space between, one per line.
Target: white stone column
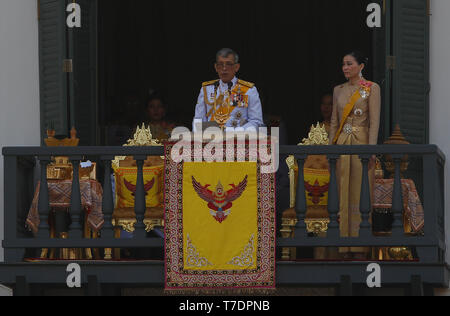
19 80
440 92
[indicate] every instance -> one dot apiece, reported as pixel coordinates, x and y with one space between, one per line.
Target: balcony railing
429 267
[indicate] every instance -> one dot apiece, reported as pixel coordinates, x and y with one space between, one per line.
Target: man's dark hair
225 52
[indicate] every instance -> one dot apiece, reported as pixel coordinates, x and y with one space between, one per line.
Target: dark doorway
291 50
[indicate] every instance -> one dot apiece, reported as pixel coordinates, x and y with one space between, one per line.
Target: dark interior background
291 50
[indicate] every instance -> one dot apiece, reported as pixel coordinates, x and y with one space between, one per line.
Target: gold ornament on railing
379 172
317 136
142 137
51 141
61 168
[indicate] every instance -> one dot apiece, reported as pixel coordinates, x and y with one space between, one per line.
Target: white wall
19 80
440 90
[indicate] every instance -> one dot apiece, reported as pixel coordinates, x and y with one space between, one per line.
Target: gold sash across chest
347 111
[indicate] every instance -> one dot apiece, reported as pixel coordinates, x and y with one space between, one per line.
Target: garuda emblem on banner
316 191
220 202
132 188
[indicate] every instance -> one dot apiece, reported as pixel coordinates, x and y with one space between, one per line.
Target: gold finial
73 133
397 138
51 141
142 137
51 133
317 136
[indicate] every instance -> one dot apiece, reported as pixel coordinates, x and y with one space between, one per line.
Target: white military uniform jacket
246 109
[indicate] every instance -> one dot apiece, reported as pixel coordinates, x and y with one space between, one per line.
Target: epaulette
209 83
246 83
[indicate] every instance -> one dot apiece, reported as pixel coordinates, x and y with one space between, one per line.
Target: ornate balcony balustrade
20 165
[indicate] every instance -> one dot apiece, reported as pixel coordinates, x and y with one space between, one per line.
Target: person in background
124 113
326 109
156 110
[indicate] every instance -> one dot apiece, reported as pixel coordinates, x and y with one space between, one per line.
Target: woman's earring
360 74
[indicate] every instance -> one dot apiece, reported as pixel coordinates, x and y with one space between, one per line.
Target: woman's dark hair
359 56
156 95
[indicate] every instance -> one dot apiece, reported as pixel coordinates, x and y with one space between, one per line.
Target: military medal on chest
365 88
237 98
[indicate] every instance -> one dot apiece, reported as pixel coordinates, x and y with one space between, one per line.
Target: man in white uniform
229 102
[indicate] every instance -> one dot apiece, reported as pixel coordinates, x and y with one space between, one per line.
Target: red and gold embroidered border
177 278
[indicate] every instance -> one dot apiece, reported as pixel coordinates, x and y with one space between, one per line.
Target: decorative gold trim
193 259
65 252
290 161
206 98
287 231
142 137
246 83
222 114
150 224
317 225
108 254
44 253
288 227
127 224
317 136
245 259
400 253
209 83
51 141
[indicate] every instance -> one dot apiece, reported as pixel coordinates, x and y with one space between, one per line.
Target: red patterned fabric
412 205
59 196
